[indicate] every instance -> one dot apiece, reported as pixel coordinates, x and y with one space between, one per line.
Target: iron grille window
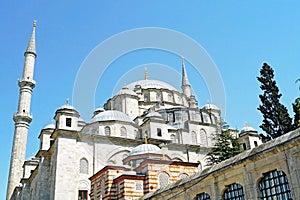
234 192
163 179
203 196
274 185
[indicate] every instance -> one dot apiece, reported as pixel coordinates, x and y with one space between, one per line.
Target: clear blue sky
238 36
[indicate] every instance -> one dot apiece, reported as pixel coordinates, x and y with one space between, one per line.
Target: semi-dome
111 115
145 84
211 106
49 126
145 148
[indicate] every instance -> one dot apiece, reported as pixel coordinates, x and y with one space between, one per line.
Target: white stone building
72 150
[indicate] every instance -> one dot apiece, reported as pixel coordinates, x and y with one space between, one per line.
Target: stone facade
278 160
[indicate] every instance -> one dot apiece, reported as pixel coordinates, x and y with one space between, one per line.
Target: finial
31 45
131 165
145 73
145 137
182 60
67 101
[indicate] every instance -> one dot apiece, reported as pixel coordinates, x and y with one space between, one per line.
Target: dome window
69 122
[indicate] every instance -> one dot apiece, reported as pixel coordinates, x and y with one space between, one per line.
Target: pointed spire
185 85
31 44
185 80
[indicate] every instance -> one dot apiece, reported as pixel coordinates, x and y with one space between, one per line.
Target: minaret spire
22 117
31 44
185 85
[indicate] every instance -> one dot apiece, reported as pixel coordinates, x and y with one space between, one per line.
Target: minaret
185 85
22 117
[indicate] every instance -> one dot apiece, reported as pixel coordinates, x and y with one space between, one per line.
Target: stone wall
246 169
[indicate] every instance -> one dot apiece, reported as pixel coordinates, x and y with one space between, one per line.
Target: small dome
211 106
49 126
145 84
145 148
125 90
111 115
67 106
97 111
247 128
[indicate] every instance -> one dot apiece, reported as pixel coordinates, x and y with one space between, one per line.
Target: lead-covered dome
211 106
247 128
145 148
111 115
145 84
49 126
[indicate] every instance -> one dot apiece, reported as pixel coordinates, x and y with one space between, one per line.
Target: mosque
147 136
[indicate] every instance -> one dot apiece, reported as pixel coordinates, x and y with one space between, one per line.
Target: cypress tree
296 109
226 146
276 120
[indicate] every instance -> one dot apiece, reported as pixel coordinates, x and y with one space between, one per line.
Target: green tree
226 146
296 109
276 120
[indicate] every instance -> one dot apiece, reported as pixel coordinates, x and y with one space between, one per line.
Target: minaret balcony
23 117
26 82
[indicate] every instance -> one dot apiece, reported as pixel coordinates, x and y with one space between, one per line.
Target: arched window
203 138
194 137
107 130
163 179
169 97
123 131
136 134
203 196
234 192
146 97
173 138
274 185
84 166
183 176
206 118
158 96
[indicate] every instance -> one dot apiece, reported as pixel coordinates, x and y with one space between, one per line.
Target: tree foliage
296 109
226 146
276 120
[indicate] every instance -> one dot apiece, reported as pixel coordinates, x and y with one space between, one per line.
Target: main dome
111 115
145 84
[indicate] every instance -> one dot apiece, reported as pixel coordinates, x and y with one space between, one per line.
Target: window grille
203 196
234 192
274 185
163 179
